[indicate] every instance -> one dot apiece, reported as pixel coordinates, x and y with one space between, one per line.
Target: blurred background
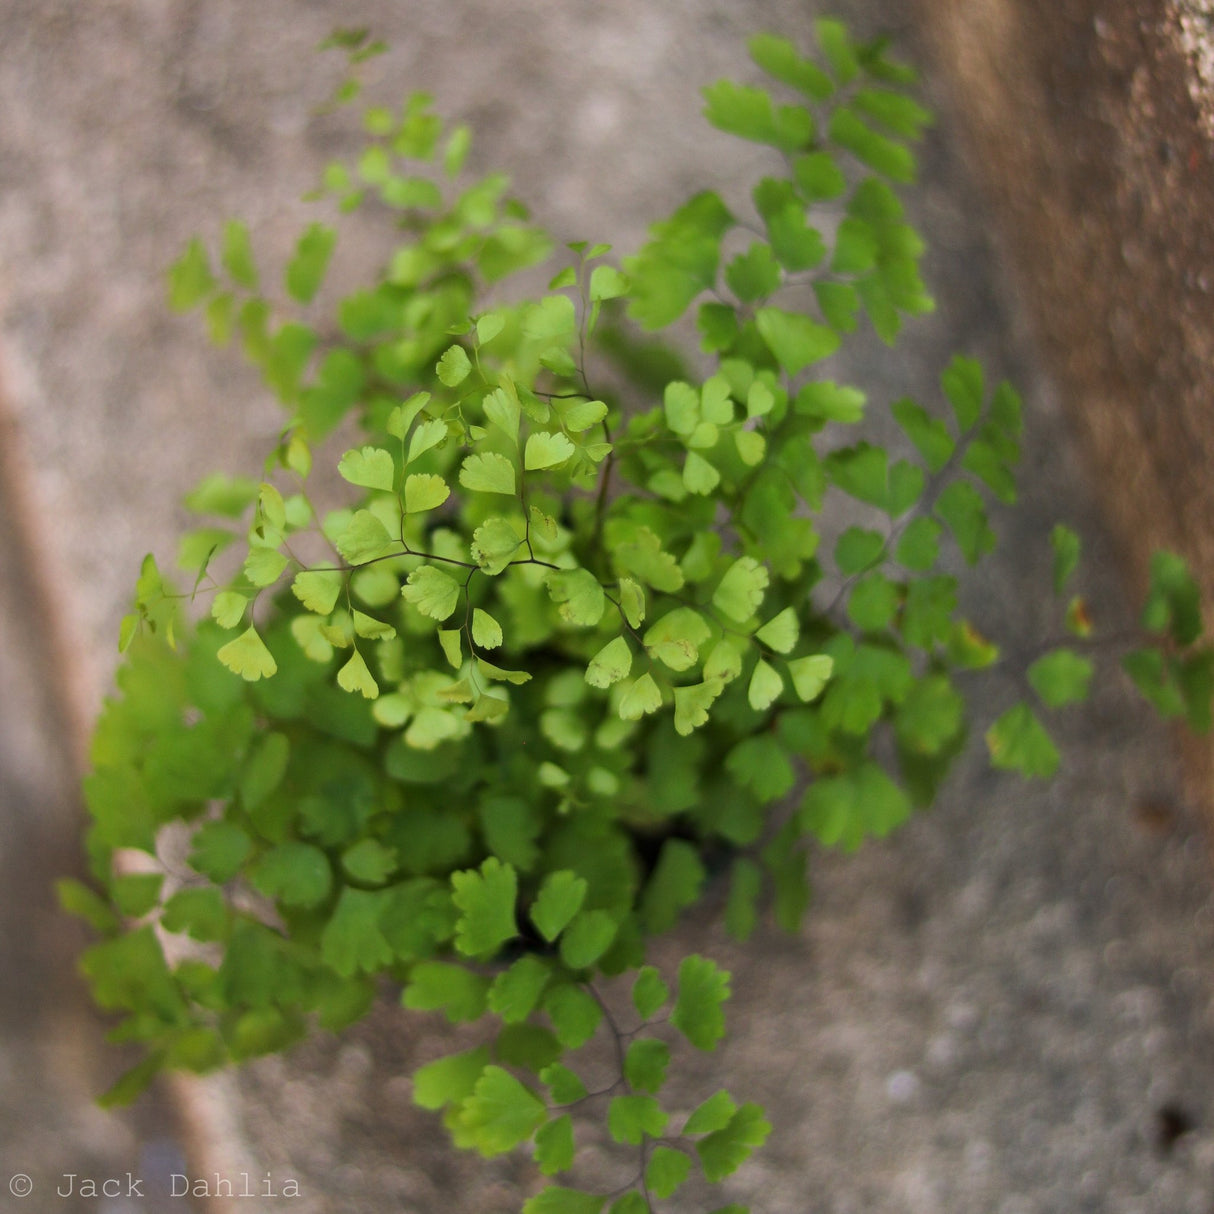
1006 1007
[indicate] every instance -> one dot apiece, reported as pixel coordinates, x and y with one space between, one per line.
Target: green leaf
877 151
649 992
632 602
837 46
190 278
554 1146
638 550
740 592
872 602
1066 545
433 592
1174 602
611 664
565 1086
501 1113
795 340
918 548
545 450
741 910
699 476
962 382
425 491
929 434
896 111
640 697
778 57
264 566
702 988
449 1080
516 991
574 1012
494 545
355 676
352 939
681 403
559 900
459 993
846 809
587 938
675 639
1061 677
711 1115
666 1171
1153 675
930 717
645 1064
765 686
747 111
755 274
248 656
829 402
228 608
369 862
692 702
606 282
858 549
579 596
556 1199
819 177
364 538
319 589
961 508
427 436
675 884
678 262
726 1149
295 874
486 900
306 270
371 467
630 1119
760 763
1017 741
488 473
486 631
454 366
502 409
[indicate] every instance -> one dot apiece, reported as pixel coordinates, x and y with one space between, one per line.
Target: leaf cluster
490 723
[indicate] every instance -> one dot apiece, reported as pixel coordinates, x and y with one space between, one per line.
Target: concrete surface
1007 1007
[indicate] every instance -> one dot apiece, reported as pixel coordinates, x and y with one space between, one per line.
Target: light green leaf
228 608
454 366
352 939
318 589
449 1080
248 656
459 993
1066 545
502 409
781 631
425 491
485 898
560 898
554 1146
365 538
355 676
516 991
641 697
699 475
401 417
488 473
494 544
370 628
579 596
449 639
765 686
675 639
610 664
752 447
545 450
501 1113
575 1014
632 602
306 270
795 340
711 1115
741 589
486 631
433 592
369 861
429 434
264 566
581 415
371 467
692 703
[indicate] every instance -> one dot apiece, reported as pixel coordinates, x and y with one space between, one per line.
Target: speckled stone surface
1006 1007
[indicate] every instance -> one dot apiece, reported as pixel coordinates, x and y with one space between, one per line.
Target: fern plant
564 649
